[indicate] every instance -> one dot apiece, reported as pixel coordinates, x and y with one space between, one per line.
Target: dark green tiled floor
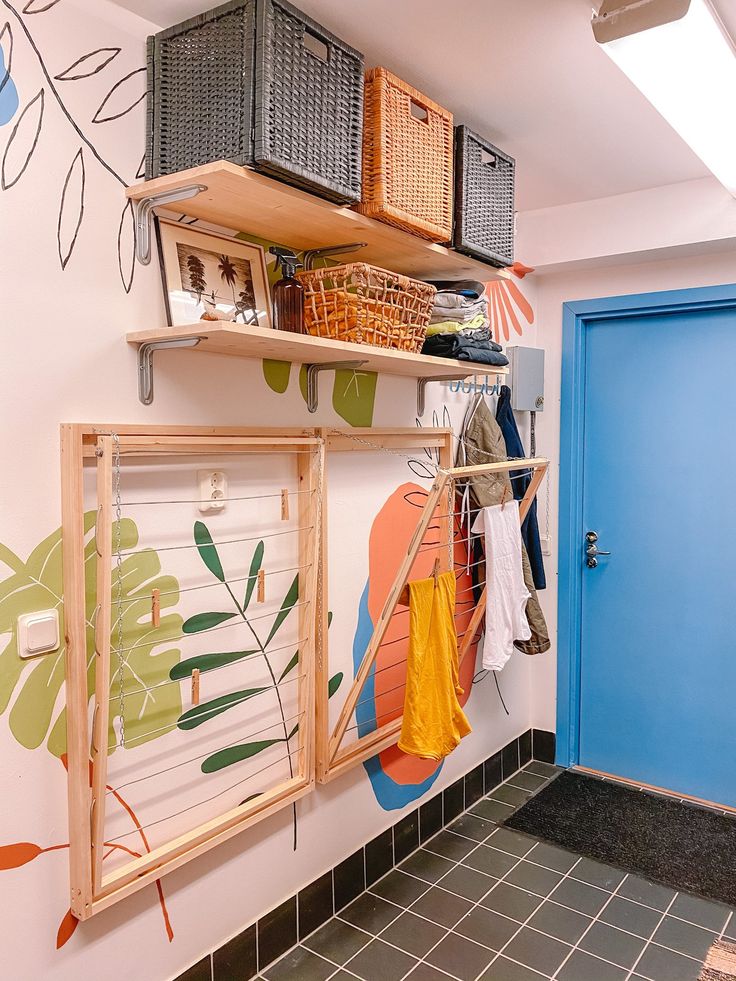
477 902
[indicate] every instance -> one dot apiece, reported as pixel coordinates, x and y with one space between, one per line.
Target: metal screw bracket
145 362
423 382
143 208
313 371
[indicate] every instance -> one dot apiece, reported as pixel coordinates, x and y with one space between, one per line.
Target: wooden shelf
218 337
243 200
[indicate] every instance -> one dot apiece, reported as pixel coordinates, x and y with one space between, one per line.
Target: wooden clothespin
284 505
156 607
436 570
504 495
261 593
195 686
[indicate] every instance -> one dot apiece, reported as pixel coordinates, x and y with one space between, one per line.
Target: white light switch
38 633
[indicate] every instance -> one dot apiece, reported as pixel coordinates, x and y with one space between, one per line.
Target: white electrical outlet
212 490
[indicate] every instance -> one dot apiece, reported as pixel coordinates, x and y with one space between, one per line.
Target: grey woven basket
484 199
308 103
201 77
259 83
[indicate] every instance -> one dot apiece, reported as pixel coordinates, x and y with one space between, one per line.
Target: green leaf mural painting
278 662
32 692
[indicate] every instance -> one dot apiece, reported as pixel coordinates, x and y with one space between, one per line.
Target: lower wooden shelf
219 337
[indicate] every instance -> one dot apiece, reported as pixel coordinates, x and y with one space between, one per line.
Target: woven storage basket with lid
407 158
367 305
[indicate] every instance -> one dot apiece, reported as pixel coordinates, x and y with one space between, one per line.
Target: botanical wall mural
32 692
30 111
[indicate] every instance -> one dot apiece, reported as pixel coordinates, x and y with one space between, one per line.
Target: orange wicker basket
407 158
367 305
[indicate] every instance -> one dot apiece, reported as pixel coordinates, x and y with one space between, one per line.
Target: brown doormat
720 964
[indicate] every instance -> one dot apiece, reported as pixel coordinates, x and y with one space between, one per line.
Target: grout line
589 927
646 946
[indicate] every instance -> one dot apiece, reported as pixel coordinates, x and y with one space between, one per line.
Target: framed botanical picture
213 275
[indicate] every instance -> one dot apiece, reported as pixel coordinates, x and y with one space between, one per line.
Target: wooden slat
310 474
103 546
79 797
220 337
245 201
322 669
164 859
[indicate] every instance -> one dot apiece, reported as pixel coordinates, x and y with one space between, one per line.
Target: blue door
657 672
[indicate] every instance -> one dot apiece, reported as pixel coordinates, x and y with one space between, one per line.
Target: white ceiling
527 74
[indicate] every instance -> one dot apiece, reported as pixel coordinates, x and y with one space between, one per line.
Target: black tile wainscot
302 918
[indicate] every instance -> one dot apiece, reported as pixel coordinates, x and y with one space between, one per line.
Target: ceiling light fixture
678 55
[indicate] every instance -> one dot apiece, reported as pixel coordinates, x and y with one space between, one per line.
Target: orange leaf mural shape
397 778
20 853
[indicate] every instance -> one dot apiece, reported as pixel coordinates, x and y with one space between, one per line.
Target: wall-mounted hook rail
145 362
313 371
422 384
143 209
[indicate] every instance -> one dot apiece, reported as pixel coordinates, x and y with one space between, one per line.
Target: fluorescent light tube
687 70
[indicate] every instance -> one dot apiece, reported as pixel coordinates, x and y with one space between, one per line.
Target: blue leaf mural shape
8 92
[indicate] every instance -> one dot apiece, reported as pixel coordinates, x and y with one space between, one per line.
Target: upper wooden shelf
243 200
219 337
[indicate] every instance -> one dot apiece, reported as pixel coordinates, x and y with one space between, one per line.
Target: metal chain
119 581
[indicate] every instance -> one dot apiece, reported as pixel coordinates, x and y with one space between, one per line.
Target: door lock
591 550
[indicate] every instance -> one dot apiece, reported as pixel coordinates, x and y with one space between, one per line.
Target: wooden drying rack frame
320 752
91 891
333 758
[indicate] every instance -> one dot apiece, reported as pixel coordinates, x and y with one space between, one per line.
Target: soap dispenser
288 293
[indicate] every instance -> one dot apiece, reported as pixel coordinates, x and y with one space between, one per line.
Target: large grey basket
259 83
484 199
201 77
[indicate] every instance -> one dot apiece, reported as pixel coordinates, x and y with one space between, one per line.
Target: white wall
64 360
552 291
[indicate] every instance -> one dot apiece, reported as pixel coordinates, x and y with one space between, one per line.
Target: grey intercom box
527 378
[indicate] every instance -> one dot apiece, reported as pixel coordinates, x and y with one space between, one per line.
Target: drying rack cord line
213 585
215 710
211 630
193 759
207 800
388 691
217 667
222 500
229 541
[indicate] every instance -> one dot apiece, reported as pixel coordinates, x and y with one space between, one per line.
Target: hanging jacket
481 441
520 482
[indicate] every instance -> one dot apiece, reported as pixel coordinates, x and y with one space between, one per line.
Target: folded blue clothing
463 348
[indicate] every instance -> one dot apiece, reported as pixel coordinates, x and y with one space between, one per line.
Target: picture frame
218 276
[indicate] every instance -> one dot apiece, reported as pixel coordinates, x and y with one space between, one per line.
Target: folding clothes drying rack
334 757
322 752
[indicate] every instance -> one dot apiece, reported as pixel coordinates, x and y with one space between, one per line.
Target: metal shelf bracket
313 371
423 382
145 362
143 209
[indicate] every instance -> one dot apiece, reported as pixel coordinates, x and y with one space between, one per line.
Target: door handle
591 550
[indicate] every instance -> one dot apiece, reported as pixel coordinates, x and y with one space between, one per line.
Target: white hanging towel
506 592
